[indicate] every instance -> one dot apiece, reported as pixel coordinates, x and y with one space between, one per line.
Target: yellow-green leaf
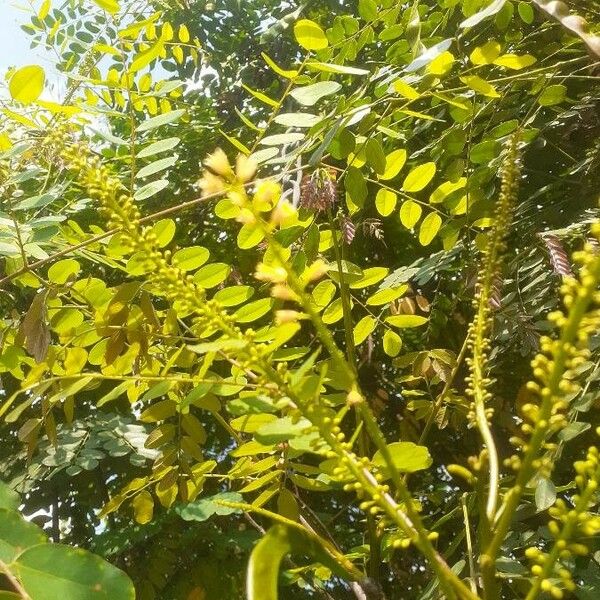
394 162
262 97
387 295
385 202
406 321
445 189
410 213
419 177
249 236
111 6
515 62
143 507
211 275
486 54
553 94
253 310
190 258
429 228
363 329
44 9
407 457
309 35
405 90
392 343
441 64
334 312
143 59
480 85
183 34
27 84
277 69
369 277
63 270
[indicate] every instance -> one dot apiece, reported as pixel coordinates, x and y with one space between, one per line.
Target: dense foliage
302 299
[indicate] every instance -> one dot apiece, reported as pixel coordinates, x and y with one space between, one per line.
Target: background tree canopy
300 300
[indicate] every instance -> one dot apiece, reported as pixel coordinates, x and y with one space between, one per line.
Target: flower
245 168
219 163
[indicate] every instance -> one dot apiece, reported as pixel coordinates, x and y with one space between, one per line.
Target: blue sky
15 48
14 44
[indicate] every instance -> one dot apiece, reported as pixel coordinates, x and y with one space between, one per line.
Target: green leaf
232 296
211 275
160 120
387 295
367 9
545 494
253 310
419 177
375 156
281 139
63 270
480 85
334 312
205 508
143 59
385 202
552 95
309 35
297 119
356 186
265 560
249 236
429 228
486 54
288 74
27 84
350 272
143 507
281 430
58 571
156 166
9 499
323 293
370 276
309 95
363 329
333 68
405 90
410 213
111 6
515 62
406 321
489 11
392 343
17 534
150 189
394 162
164 230
158 147
445 189
406 457
251 423
526 12
259 96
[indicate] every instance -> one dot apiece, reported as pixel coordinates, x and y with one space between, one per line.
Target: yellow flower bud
245 168
219 163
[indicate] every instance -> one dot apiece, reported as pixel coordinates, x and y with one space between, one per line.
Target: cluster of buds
318 191
569 524
555 368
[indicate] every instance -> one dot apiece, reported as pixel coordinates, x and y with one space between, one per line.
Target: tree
274 276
